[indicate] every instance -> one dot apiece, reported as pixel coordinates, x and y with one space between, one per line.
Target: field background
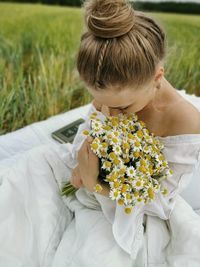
38 46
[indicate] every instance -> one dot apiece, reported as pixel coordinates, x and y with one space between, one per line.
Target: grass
38 45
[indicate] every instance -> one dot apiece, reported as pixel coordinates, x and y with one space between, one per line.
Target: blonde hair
121 46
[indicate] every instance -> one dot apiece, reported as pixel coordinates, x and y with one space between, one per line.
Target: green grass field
38 45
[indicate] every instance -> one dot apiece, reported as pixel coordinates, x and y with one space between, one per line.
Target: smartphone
67 133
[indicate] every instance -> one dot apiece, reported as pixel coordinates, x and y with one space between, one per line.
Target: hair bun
109 18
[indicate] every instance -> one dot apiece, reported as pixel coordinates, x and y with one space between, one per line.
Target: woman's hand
76 180
88 164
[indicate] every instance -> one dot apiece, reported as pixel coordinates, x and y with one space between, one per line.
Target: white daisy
114 194
138 184
107 165
117 149
131 172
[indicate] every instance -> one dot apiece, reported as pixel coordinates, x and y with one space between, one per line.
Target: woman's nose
109 111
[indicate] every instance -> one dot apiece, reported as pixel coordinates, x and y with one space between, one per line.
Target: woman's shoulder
183 118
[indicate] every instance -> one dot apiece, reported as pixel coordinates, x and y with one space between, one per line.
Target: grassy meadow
38 45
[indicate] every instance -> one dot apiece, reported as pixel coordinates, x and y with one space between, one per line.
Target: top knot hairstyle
121 46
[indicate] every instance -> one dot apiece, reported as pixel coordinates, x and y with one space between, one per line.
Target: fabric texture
38 227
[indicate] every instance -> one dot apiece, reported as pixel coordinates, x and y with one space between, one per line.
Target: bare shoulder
183 118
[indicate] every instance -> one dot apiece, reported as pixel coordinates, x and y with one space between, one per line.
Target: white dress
39 228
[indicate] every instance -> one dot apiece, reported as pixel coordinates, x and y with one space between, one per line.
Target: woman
121 61
128 50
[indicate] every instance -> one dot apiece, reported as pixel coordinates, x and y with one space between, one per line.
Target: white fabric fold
39 228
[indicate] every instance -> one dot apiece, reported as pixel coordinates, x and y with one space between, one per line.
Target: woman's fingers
83 152
96 104
92 155
76 178
115 112
105 110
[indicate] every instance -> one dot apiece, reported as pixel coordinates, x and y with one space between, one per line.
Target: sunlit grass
38 45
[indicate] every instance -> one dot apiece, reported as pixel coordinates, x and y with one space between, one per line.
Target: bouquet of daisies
131 160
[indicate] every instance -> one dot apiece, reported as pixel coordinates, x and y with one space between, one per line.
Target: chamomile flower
107 165
138 184
114 194
130 171
117 150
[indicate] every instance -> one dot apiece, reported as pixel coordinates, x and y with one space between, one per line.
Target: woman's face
125 101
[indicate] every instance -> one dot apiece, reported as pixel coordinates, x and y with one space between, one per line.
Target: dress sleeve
183 159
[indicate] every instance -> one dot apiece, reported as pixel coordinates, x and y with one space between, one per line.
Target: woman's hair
121 46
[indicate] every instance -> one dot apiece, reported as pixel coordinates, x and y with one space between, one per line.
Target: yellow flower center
136 154
103 153
142 169
106 127
116 161
112 155
138 183
165 191
114 123
137 143
112 177
151 193
125 122
98 188
128 210
126 160
122 171
108 164
85 132
140 134
124 188
104 144
128 196
142 162
164 164
122 179
142 123
120 201
116 184
116 194
115 140
131 136
94 146
126 145
132 128
139 199
136 193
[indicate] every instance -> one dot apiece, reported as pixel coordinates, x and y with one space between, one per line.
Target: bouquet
131 160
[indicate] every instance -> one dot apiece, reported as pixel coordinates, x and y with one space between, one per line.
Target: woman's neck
164 97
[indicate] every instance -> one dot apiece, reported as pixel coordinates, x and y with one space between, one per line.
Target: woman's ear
159 74
158 77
